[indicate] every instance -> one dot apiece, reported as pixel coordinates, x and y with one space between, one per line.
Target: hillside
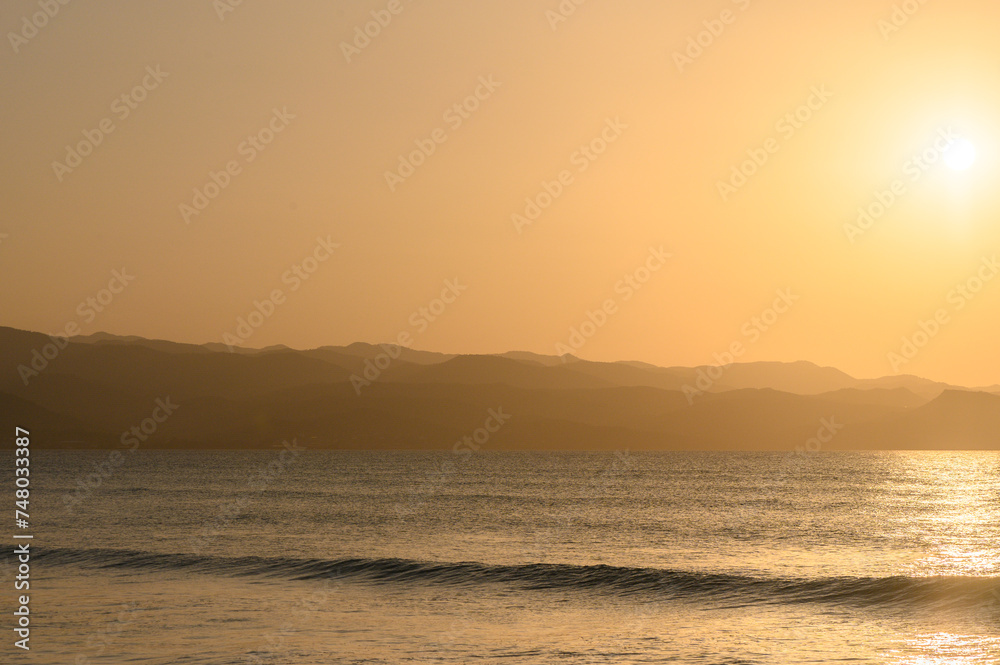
93 390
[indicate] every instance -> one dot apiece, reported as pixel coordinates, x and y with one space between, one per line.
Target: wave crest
939 592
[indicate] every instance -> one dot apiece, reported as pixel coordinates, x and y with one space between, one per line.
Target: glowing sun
960 155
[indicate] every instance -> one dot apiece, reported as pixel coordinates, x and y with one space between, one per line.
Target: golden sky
619 120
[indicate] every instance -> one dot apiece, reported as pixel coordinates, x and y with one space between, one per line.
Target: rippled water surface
516 558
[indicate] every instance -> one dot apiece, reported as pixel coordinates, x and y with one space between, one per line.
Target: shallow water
516 558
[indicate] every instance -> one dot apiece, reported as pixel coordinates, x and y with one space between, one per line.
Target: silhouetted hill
362 350
923 387
764 419
624 374
87 392
49 428
804 378
497 369
539 358
898 397
155 344
956 420
134 367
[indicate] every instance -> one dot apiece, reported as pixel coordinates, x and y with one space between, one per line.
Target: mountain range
107 391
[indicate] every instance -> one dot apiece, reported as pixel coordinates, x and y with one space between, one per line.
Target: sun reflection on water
954 510
950 649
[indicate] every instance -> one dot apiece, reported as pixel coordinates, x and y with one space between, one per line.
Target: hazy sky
533 91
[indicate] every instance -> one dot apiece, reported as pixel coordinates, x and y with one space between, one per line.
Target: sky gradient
274 149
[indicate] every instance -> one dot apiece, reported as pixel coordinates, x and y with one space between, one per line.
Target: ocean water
390 558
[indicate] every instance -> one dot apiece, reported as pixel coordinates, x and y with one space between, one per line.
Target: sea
297 556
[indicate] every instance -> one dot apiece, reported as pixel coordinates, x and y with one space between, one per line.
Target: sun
960 155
